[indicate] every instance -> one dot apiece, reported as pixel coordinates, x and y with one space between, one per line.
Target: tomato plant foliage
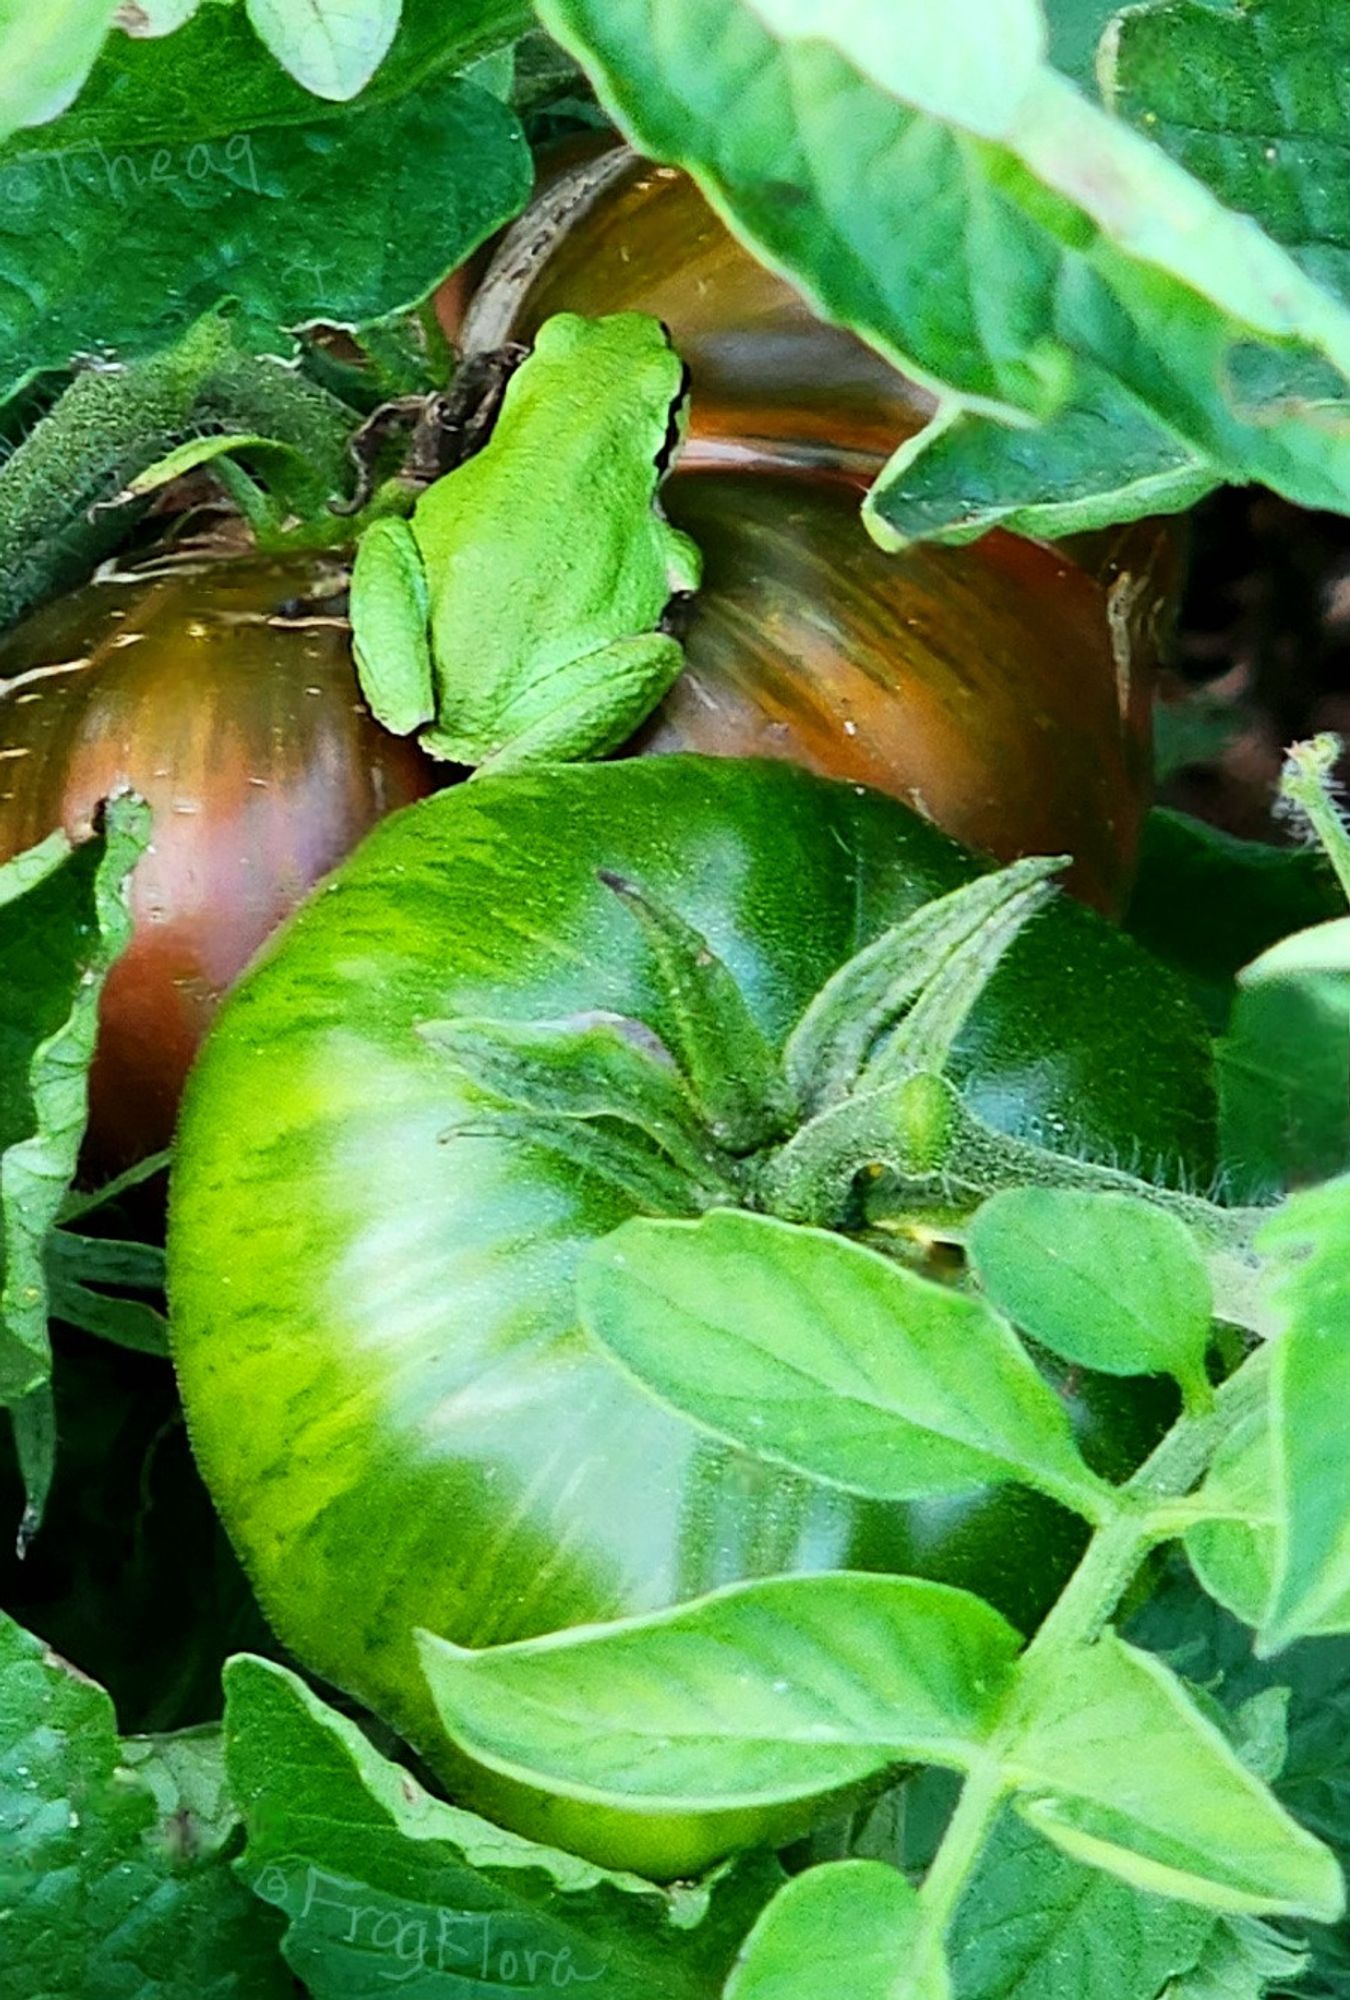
698 1301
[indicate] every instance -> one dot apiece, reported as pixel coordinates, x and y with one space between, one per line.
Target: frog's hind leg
608 694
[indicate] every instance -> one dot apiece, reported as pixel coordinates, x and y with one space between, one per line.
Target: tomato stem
1091 1596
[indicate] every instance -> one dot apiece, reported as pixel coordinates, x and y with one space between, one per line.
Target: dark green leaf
762 1693
130 1572
1186 1819
1284 1086
1101 1279
1035 1924
1205 1643
379 1882
63 922
818 1354
78 1265
1075 30
380 200
1248 100
114 1877
1209 903
858 1915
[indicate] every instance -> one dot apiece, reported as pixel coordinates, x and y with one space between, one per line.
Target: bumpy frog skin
517 612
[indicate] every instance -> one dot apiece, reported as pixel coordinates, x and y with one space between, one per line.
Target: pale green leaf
46 52
1309 1240
1185 1819
816 1353
147 18
1242 1959
1325 949
1099 460
1234 1553
1104 1280
855 1916
379 1882
63 922
332 47
764 1692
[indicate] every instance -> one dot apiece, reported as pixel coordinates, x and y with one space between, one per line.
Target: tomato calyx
712 1116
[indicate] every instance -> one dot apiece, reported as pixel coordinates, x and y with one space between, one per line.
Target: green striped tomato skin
373 1318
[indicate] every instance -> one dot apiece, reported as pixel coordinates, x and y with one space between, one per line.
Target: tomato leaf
867 1909
818 1354
1203 1641
1034 1924
379 1882
1246 99
762 1693
45 55
1209 903
1099 460
1283 1071
381 200
1186 1820
1047 248
1104 1280
114 1874
1242 1959
79 1266
63 923
1309 1238
1234 1554
332 47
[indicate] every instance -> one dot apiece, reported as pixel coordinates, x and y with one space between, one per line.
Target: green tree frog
517 611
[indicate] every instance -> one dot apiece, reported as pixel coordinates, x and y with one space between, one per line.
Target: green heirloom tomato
372 1284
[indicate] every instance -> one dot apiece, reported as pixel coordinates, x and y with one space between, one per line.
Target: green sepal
592 1066
926 1036
733 1074
647 1178
946 949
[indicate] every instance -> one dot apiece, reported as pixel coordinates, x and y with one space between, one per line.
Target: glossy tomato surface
373 1312
616 233
979 685
223 692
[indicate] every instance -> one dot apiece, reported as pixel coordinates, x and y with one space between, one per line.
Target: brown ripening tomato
223 692
976 684
1004 688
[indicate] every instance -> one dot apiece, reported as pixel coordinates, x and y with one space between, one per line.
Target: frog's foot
608 693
